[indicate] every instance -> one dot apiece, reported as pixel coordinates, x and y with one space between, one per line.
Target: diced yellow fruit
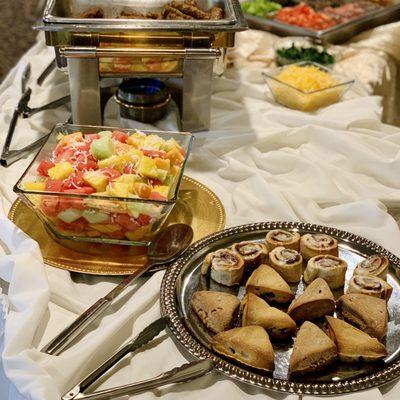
175 156
128 179
143 232
38 186
174 170
61 170
67 140
142 190
118 189
162 189
118 162
162 175
147 167
170 144
96 180
163 163
93 233
153 141
105 228
121 148
136 139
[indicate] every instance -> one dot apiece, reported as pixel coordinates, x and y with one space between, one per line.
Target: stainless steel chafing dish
110 47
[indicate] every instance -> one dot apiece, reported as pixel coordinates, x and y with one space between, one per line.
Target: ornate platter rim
183 335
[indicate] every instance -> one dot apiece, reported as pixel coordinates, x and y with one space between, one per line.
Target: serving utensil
183 373
166 247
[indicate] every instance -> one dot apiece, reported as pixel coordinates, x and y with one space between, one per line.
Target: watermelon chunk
43 167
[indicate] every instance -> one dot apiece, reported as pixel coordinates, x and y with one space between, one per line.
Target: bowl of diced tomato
105 185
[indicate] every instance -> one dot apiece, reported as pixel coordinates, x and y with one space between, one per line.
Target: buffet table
337 167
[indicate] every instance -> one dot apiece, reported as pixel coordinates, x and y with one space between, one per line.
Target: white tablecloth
337 167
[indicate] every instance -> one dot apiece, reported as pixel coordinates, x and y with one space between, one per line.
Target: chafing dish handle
97 52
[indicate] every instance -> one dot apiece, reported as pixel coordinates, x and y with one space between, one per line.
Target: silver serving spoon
166 247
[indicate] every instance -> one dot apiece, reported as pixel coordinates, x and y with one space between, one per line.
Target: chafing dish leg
196 94
84 85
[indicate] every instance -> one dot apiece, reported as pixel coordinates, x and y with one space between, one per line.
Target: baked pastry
316 301
217 310
313 244
267 283
365 312
352 344
370 285
375 265
252 253
249 345
312 351
287 262
226 267
330 268
280 237
277 323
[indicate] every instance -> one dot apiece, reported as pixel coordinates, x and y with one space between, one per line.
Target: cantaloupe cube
175 156
38 186
105 228
163 163
67 140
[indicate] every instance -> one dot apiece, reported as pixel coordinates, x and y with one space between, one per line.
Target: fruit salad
111 184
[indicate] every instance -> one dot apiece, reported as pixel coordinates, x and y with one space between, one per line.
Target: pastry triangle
277 323
313 350
353 344
248 345
366 313
266 282
316 301
216 310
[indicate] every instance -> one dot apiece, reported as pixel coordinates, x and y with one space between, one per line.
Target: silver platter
183 278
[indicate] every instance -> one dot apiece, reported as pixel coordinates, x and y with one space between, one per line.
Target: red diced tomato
156 196
44 166
120 136
126 222
154 153
143 220
53 185
110 173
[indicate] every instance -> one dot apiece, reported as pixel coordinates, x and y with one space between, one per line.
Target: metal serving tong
180 374
23 110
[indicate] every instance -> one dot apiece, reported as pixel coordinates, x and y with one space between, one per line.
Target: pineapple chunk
61 170
153 141
118 189
136 139
147 167
163 163
175 156
38 186
162 175
67 140
162 189
121 148
118 162
96 180
170 144
128 179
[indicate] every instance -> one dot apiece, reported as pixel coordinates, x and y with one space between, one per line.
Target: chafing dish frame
79 44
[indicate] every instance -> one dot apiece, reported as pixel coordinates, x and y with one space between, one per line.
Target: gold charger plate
197 206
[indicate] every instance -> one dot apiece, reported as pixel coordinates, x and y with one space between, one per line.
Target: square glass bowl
99 218
292 97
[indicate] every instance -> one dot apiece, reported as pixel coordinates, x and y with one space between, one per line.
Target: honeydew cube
69 215
162 174
105 134
37 186
94 216
61 170
147 167
96 180
134 209
102 148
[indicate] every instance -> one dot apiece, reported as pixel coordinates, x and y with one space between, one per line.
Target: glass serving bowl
292 97
94 217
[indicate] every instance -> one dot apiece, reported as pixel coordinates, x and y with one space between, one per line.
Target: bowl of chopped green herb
296 53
